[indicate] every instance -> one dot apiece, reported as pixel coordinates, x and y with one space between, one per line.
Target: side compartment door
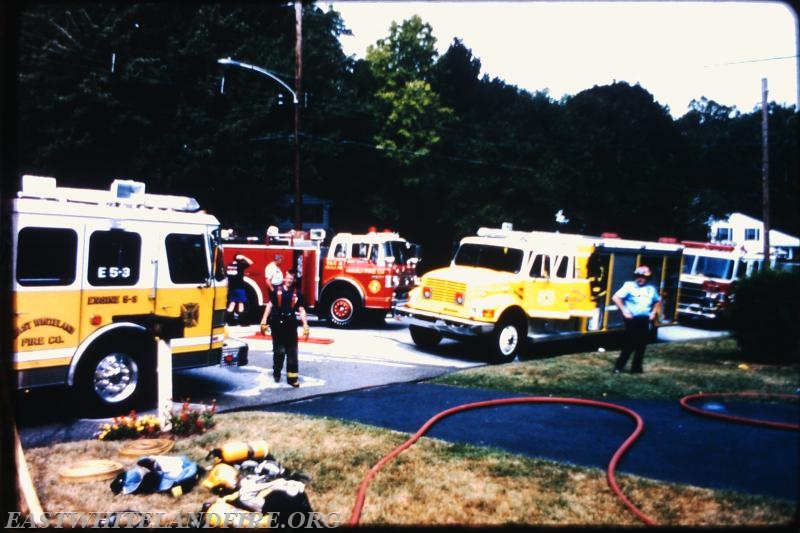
666 268
311 276
622 265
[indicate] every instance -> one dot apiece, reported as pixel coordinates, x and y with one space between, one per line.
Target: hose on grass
612 465
685 403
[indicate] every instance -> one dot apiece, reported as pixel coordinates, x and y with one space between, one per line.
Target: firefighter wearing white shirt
273 273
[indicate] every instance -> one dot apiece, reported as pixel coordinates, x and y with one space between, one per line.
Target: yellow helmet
222 478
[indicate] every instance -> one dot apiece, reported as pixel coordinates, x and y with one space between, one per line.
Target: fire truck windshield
401 251
501 258
710 267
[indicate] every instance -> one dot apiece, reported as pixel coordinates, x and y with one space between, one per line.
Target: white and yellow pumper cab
507 287
100 276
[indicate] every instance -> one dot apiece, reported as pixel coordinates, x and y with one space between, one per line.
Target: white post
164 371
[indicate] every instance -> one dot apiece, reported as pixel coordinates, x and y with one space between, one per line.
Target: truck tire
424 337
343 308
117 377
507 341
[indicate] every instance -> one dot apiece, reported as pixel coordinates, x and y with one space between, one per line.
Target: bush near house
764 317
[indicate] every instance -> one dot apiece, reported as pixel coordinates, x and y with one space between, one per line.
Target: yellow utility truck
505 287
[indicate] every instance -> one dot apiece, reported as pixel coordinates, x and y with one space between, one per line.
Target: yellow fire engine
504 287
99 276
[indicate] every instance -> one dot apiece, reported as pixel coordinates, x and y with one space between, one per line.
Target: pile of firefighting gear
246 478
174 475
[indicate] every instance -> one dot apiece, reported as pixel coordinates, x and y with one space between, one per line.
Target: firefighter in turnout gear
279 313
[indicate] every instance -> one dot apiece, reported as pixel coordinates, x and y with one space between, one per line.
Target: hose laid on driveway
685 403
612 465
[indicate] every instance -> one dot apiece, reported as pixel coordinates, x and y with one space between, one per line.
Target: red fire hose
741 419
612 482
612 465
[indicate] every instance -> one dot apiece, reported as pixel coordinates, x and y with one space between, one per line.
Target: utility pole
765 169
298 74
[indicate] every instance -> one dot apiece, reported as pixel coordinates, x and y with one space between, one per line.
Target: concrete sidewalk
676 446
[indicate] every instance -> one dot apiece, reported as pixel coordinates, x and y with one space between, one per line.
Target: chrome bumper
696 310
445 324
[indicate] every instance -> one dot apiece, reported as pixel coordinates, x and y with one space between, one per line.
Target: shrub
765 316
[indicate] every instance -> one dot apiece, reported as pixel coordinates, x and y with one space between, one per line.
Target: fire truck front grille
445 291
692 293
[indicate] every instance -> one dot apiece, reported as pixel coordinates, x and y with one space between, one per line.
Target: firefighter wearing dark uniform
279 313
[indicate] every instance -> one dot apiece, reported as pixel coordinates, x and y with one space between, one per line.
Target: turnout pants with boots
284 346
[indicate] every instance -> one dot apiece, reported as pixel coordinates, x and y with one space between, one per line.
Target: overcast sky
676 50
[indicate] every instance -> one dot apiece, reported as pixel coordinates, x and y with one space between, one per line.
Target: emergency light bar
122 192
37 186
317 234
127 189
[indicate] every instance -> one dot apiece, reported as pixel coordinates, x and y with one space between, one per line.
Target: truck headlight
483 313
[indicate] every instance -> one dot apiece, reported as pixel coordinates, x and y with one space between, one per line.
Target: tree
496 151
456 76
134 91
621 164
726 165
409 109
403 139
407 54
715 161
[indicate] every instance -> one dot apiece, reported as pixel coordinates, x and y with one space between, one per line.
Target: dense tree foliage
623 163
409 108
404 138
726 162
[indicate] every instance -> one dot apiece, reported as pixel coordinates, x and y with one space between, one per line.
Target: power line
760 60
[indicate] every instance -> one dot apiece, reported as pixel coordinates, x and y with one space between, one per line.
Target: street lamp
297 195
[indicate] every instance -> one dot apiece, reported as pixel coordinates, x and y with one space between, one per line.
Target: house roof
776 238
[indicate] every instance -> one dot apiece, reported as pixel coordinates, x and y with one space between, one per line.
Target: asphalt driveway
676 445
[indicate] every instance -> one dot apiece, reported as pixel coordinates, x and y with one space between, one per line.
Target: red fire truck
709 276
354 276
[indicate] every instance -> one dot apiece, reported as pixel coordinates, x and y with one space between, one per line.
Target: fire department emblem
374 286
190 314
546 298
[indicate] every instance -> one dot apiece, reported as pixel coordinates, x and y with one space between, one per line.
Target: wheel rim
341 310
115 377
508 340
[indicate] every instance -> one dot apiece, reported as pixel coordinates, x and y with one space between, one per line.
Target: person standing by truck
639 303
237 296
273 274
284 302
